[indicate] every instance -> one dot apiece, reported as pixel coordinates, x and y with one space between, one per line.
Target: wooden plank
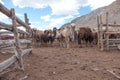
7 12
107 30
18 25
26 51
101 35
113 45
98 23
5 64
118 46
112 25
9 42
6 32
6 46
114 39
23 41
114 74
17 41
8 27
115 42
113 32
7 50
26 19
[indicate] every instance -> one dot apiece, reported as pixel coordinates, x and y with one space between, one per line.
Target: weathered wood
101 35
26 19
9 28
18 25
7 12
118 46
8 43
106 42
115 41
107 30
5 64
17 41
26 51
8 49
23 41
27 29
112 25
112 72
113 32
6 32
113 46
98 24
13 28
4 26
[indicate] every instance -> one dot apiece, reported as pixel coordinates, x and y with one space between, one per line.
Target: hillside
91 18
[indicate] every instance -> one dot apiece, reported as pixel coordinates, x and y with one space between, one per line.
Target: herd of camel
65 36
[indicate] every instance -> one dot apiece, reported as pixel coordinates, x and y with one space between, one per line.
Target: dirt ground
55 63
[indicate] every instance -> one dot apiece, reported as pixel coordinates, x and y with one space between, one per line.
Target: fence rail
105 42
16 43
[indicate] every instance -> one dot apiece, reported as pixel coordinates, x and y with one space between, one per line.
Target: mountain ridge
90 19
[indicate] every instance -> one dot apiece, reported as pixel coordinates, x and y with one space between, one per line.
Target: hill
90 19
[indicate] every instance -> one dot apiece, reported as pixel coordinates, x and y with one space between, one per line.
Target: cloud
38 25
51 22
94 4
55 22
46 18
19 15
66 7
1 2
62 7
4 18
58 7
31 3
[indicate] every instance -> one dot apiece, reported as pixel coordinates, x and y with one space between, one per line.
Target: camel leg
79 43
67 42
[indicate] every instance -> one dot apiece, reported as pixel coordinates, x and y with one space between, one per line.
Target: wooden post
107 32
101 35
98 23
4 10
26 21
17 41
28 28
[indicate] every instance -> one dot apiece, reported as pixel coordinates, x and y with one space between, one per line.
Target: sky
46 14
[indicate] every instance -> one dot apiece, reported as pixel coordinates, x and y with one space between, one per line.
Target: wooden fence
13 28
104 41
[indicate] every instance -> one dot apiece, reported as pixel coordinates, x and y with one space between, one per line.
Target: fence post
101 34
28 28
107 32
17 41
26 21
98 24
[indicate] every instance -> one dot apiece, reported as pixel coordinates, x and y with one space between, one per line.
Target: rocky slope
91 18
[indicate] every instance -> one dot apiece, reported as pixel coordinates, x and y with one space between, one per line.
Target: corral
53 62
105 31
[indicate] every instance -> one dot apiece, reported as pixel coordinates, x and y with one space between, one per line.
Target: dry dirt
50 63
